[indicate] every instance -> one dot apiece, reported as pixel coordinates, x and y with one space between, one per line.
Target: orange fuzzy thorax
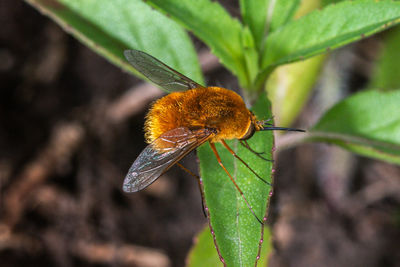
211 107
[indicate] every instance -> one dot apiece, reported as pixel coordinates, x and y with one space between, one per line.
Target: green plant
270 35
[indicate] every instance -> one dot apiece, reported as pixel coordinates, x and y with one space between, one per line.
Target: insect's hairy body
182 121
200 108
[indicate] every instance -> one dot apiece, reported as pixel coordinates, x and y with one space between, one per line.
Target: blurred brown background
71 125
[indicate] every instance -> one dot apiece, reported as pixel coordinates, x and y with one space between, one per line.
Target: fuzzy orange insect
181 121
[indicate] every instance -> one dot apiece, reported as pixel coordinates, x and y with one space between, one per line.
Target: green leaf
110 27
261 17
289 87
282 12
203 252
328 2
367 123
306 7
254 14
210 22
330 28
237 231
266 248
386 73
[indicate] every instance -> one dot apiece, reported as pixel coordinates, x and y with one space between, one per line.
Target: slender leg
245 164
244 143
258 154
233 180
200 186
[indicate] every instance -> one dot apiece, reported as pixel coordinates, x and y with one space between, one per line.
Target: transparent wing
162 154
158 72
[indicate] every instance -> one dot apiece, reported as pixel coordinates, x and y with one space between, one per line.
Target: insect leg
267 120
258 154
233 180
245 144
203 204
245 164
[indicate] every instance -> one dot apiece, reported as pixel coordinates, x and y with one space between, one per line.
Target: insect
183 120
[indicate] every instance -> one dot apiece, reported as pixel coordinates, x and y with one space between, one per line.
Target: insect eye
249 133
